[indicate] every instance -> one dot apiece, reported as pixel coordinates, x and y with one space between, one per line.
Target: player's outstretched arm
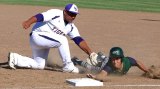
84 64
83 45
141 66
92 55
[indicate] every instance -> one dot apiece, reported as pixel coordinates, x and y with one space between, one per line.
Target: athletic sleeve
39 17
78 40
108 69
132 61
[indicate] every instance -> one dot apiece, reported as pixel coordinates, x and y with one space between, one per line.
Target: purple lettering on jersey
55 30
55 17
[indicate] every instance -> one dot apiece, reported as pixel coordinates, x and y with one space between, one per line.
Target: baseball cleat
76 61
73 70
70 68
11 60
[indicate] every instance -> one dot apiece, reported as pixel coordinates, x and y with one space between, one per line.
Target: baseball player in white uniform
50 31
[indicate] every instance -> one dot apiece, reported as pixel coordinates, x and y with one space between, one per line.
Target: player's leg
51 40
40 54
102 60
16 59
84 64
65 55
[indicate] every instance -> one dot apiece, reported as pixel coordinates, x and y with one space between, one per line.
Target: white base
84 82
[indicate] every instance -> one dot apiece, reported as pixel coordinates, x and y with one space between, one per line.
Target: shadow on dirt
50 68
4 65
54 67
150 19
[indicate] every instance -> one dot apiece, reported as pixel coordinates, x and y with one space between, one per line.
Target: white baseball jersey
49 34
54 23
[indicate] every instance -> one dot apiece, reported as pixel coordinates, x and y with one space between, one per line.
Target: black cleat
76 61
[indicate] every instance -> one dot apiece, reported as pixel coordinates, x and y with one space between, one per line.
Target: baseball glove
153 72
98 59
92 59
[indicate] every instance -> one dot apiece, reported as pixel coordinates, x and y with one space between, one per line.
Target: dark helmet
116 52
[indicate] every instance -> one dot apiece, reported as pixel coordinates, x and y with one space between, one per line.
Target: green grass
129 5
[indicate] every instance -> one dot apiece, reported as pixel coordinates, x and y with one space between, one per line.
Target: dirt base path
136 32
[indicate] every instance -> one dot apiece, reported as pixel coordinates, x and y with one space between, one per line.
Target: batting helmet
116 52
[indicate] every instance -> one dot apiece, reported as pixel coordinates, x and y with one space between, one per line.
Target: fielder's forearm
83 45
26 24
31 20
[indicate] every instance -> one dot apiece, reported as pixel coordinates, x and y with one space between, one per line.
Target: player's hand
91 76
92 59
153 72
25 25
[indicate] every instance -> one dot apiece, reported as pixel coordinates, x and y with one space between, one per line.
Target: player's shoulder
52 13
56 10
131 58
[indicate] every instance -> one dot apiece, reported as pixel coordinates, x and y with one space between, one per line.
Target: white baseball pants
41 42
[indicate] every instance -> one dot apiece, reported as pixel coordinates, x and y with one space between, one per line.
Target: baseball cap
72 8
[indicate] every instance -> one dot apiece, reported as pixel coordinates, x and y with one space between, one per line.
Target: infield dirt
136 32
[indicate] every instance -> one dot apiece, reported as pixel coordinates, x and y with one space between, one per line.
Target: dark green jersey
127 63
